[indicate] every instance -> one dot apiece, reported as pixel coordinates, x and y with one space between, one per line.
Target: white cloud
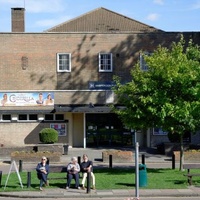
153 17
160 2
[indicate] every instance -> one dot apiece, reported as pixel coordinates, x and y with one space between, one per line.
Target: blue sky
168 15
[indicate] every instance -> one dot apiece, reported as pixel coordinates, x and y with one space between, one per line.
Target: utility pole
136 167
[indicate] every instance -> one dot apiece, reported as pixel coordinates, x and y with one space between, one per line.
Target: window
56 117
159 131
105 62
49 117
33 117
22 117
64 62
143 64
6 117
59 117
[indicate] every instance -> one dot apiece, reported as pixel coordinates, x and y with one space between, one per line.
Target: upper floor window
105 62
143 64
64 62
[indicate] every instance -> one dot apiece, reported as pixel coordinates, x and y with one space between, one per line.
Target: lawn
116 178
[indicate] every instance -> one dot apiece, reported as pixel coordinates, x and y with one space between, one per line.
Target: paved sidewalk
73 193
152 160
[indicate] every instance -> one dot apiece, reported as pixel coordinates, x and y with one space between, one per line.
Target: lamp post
136 167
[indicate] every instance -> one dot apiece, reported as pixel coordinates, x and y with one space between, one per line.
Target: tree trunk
181 153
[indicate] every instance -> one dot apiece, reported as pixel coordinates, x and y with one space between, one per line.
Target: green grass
116 178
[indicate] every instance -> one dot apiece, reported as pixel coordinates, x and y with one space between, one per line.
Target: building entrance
106 130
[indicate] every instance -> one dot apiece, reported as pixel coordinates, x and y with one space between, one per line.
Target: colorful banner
27 99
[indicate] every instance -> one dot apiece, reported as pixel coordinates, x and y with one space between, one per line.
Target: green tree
167 95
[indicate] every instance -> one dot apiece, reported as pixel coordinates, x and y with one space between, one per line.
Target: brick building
72 65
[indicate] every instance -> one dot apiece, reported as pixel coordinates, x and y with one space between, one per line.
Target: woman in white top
73 170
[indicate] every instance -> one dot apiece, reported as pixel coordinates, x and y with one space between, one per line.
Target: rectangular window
22 117
105 62
64 62
49 117
59 117
33 117
6 117
143 64
159 131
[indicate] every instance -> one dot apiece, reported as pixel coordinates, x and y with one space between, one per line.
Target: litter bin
142 175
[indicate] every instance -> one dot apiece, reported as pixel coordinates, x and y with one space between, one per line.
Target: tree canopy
167 95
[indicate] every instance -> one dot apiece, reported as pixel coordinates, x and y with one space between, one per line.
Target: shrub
48 135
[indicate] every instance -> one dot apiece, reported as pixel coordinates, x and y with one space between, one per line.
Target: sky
167 15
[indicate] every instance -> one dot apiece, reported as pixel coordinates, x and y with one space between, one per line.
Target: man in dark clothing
87 166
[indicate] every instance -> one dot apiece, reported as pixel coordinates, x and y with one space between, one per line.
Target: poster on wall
61 128
26 99
159 131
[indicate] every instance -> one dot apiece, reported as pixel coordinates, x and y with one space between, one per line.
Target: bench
58 169
190 166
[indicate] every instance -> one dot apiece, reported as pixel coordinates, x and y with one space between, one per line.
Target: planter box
56 147
35 156
118 156
191 156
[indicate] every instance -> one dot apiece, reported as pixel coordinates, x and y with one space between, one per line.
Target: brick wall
40 51
19 134
18 19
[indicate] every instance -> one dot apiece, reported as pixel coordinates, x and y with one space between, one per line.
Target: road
106 198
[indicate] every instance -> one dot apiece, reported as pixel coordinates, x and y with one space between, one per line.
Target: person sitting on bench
42 172
73 170
87 166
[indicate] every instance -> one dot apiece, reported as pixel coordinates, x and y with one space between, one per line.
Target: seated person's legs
93 180
83 180
43 178
69 178
76 177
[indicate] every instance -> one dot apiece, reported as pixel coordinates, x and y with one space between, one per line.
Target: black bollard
79 160
143 159
47 161
173 161
20 165
28 179
110 161
0 177
88 182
